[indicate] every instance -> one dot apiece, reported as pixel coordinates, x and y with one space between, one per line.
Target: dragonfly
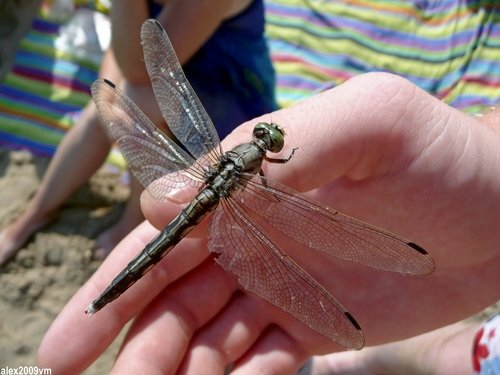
242 204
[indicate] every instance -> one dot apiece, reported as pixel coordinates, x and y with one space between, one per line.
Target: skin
447 350
129 15
391 155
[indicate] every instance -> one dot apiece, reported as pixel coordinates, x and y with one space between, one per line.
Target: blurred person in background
226 60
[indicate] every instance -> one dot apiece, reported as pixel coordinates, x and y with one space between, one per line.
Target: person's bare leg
81 152
131 217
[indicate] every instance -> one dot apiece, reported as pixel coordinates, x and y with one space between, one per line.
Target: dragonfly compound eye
272 134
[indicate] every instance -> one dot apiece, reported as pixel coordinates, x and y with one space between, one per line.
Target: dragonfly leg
280 161
274 160
270 195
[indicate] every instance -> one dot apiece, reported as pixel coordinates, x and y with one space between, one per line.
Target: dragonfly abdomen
204 203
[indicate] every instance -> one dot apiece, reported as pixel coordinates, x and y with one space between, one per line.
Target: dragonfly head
271 134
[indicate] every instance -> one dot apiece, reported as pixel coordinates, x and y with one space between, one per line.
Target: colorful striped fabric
449 48
44 91
49 83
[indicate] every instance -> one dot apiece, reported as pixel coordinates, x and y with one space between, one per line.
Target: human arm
391 155
188 24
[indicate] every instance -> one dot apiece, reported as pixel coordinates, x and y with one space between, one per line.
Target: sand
56 261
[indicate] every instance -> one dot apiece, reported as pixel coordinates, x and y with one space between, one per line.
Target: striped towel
49 82
449 48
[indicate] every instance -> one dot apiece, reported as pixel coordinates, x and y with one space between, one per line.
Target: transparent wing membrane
151 155
264 269
331 232
181 108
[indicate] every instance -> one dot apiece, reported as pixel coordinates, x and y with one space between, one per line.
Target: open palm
376 148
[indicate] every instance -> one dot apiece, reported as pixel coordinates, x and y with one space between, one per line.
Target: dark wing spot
352 320
418 248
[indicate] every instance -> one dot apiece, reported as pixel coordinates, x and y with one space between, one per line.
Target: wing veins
331 232
252 256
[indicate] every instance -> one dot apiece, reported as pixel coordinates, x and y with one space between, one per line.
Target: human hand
389 154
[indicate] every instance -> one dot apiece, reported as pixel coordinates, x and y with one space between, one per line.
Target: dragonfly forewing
185 115
312 224
158 163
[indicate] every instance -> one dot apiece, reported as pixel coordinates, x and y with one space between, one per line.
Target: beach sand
56 261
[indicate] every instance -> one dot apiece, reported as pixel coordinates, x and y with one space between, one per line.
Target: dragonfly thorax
223 179
247 157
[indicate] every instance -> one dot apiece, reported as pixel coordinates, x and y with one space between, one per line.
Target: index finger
82 338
